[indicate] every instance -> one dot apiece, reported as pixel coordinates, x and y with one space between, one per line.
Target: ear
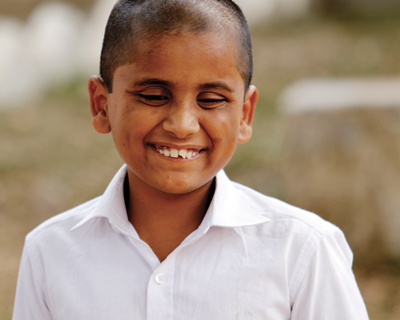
98 95
249 107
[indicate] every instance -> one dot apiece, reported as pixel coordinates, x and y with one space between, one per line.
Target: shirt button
160 278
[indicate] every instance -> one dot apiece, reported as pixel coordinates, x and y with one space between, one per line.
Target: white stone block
335 94
342 161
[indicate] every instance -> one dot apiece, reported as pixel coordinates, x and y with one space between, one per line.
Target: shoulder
61 224
299 232
296 239
279 211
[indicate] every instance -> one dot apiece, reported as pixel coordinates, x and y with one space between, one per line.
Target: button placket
160 291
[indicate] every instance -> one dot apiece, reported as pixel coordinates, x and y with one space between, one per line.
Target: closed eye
153 100
210 102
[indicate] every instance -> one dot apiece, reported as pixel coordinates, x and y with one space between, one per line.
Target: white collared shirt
253 257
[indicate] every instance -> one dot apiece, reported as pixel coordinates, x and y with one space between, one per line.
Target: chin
178 188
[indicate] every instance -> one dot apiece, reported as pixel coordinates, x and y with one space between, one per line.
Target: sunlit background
326 134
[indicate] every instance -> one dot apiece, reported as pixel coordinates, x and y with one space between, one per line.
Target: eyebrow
152 81
166 83
217 85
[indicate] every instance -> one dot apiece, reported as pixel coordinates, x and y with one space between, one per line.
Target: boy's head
176 93
134 21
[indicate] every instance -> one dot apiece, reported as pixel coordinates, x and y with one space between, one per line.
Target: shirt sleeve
329 290
30 299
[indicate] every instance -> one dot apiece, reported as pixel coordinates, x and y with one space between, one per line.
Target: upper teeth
174 153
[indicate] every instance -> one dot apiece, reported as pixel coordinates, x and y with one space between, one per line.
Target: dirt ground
51 159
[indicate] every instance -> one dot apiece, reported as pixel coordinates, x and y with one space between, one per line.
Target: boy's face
177 112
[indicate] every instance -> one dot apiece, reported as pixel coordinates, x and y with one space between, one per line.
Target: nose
181 121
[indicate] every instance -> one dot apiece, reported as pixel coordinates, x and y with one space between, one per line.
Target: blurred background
326 133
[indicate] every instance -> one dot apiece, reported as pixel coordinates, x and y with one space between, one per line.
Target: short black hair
132 21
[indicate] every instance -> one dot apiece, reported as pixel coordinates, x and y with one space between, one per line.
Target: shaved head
133 22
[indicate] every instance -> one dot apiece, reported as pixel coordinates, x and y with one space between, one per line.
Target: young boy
172 237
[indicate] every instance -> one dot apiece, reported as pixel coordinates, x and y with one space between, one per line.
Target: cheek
126 134
223 128
226 124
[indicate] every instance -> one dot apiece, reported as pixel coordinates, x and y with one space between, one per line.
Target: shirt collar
228 208
111 204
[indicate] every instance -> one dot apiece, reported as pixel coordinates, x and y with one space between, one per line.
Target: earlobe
98 95
249 107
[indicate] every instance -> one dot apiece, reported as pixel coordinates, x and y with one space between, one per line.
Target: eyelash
211 100
153 97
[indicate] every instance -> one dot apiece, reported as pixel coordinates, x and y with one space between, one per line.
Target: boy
172 237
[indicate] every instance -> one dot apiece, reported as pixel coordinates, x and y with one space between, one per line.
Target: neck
164 220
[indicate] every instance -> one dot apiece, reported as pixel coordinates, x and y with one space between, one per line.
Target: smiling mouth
177 153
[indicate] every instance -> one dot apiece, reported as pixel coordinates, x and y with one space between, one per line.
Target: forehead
187 55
